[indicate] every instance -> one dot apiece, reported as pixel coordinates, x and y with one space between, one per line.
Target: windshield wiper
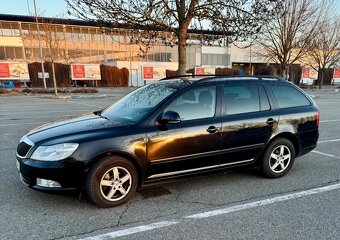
99 113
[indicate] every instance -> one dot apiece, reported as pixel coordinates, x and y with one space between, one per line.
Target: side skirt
188 171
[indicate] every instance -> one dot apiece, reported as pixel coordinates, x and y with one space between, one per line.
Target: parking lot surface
305 204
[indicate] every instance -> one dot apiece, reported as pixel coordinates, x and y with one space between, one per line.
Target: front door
191 145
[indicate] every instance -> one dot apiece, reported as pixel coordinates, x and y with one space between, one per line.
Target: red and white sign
153 73
305 72
14 71
336 75
309 73
204 71
147 73
199 71
85 72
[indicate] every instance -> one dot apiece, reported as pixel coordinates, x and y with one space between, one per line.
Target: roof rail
187 76
217 77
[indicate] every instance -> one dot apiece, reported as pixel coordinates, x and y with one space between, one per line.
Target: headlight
54 152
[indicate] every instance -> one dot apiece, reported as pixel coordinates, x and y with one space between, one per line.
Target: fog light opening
47 183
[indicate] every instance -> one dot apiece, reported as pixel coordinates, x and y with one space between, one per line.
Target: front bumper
69 174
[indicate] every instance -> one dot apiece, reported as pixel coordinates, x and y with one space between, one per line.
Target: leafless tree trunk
54 80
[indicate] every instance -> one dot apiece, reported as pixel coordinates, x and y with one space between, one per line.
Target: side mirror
169 117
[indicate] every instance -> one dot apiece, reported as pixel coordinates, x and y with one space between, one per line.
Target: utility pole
249 73
41 53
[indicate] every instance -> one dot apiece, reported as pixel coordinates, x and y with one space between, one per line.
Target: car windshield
134 106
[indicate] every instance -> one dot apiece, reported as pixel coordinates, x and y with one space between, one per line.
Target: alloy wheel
280 158
115 183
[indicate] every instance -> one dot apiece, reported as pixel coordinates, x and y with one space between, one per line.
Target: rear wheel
111 182
278 158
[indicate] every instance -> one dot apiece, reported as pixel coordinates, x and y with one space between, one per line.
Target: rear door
298 114
248 122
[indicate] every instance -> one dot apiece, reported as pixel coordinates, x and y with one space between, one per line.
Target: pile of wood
113 76
62 72
226 72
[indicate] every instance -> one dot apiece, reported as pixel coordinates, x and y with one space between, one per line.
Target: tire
111 182
278 158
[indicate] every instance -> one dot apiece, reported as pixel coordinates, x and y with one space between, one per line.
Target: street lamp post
250 65
41 53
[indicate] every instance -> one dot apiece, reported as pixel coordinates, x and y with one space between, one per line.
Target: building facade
83 42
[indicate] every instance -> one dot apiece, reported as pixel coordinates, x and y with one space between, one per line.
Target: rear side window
287 97
241 98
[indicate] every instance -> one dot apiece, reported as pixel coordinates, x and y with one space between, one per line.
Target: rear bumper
307 150
308 141
65 172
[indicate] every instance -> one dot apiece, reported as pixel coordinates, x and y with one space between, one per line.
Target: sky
49 8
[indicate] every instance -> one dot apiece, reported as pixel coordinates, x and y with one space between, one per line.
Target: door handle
270 121
212 129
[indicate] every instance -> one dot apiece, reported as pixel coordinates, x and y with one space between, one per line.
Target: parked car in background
172 128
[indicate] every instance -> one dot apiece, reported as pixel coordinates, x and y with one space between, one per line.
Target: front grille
23 149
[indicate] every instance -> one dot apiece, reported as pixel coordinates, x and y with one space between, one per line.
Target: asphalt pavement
305 204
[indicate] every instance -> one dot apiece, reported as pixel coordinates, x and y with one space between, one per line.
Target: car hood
71 126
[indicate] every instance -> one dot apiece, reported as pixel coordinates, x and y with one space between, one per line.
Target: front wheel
111 182
278 158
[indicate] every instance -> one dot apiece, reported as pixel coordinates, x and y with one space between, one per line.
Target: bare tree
52 39
53 42
287 38
230 19
325 45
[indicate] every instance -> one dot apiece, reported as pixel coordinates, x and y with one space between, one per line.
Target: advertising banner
14 71
313 74
336 75
153 73
85 72
147 73
309 75
204 71
305 73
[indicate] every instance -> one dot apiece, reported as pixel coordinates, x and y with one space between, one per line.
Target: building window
2 53
10 53
215 59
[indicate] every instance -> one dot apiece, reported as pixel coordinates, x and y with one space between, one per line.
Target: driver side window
196 103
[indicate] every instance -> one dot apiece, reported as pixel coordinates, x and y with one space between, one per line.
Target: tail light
318 117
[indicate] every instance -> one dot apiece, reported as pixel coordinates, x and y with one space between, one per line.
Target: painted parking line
333 120
27 112
325 154
44 108
328 141
265 202
221 211
133 230
35 117
19 124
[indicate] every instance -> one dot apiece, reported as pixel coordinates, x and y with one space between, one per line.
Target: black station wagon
172 128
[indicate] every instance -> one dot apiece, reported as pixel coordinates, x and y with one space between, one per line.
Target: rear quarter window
287 97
